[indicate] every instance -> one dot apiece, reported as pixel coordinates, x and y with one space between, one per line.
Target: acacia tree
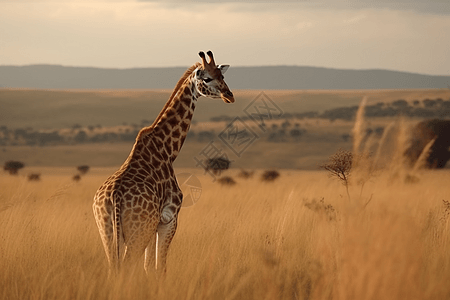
13 166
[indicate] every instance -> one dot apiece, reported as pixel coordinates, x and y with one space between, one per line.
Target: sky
411 36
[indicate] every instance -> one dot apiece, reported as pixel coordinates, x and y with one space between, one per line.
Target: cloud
355 19
141 34
418 6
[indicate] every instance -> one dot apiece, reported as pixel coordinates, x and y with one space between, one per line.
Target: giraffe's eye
207 80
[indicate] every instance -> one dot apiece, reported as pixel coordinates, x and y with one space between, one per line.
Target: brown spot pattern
145 188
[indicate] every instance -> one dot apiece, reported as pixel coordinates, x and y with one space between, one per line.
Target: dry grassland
302 236
254 240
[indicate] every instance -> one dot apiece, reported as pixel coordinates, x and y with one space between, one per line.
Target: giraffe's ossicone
136 209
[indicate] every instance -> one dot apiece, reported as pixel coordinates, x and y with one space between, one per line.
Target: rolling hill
266 77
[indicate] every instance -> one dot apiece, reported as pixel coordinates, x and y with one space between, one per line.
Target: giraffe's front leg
150 256
166 231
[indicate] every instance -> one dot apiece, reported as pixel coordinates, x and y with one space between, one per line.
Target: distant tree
204 136
344 113
20 133
44 138
129 136
309 114
277 136
221 118
285 124
80 137
270 175
83 169
296 133
429 103
423 112
400 103
346 137
218 164
445 104
13 167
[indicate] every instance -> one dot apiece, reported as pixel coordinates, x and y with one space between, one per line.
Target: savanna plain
382 234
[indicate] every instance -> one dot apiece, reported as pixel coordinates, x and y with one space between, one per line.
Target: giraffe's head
209 79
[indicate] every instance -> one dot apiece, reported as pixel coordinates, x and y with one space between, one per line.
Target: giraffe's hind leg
105 227
137 240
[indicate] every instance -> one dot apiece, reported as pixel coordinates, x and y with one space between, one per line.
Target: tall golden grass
296 238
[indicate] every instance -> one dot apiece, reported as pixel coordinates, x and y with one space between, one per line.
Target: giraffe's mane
169 102
181 81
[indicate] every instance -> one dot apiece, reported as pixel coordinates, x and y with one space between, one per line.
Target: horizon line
241 66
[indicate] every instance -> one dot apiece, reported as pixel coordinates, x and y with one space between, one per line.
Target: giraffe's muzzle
228 97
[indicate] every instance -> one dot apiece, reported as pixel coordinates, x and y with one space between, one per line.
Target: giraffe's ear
223 68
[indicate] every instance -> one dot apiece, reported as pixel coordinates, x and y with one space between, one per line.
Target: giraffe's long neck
167 134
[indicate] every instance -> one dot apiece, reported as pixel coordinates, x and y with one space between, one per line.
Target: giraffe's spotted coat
142 199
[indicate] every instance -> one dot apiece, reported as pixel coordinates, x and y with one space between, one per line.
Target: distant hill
50 109
269 77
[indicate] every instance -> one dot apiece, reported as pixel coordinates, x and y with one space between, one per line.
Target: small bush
339 165
245 174
320 207
270 175
226 180
34 177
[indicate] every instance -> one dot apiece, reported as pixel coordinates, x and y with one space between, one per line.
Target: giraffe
136 209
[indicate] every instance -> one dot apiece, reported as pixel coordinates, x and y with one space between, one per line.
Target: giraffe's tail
116 232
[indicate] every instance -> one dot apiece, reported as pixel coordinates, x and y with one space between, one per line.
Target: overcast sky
412 36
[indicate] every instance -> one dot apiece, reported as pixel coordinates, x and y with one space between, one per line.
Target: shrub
226 180
339 165
34 177
270 175
245 174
